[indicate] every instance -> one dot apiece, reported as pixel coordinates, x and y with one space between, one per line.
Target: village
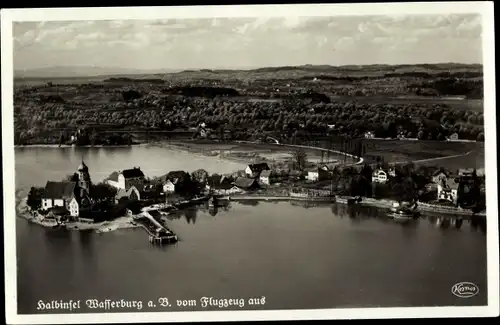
77 199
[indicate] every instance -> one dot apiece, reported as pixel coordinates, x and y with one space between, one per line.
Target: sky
233 43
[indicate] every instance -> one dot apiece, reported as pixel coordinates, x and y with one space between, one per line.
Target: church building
71 194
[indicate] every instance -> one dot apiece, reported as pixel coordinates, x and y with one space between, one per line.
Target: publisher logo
465 289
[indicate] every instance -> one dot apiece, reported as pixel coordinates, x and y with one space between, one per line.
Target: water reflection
87 242
61 245
65 153
478 224
410 227
249 202
213 211
456 223
306 204
57 235
190 215
355 213
359 213
164 248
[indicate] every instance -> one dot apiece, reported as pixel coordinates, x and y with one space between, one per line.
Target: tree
200 176
381 190
34 200
102 191
300 159
367 172
398 192
409 192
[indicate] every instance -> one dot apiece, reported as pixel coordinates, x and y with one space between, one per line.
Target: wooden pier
158 234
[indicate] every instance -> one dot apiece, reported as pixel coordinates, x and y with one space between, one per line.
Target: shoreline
100 227
126 222
42 145
371 202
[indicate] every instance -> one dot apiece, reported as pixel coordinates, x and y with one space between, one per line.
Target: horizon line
249 69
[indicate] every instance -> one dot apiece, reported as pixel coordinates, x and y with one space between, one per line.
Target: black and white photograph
238 163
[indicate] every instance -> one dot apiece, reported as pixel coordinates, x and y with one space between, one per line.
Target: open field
400 151
476 105
252 152
452 155
475 159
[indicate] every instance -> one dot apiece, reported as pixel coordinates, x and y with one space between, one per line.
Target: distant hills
83 72
92 71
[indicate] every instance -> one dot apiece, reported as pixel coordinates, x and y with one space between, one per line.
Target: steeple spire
82 166
83 178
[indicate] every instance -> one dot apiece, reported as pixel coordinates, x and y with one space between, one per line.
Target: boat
299 196
447 209
349 200
102 230
221 197
212 202
403 212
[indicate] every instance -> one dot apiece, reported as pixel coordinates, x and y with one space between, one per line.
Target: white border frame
148 13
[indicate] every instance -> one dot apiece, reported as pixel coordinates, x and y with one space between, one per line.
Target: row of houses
401 136
445 183
132 183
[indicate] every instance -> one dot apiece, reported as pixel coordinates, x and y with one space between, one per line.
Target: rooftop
132 173
258 167
265 173
58 190
244 182
83 167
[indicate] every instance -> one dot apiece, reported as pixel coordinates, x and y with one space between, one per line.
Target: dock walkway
157 232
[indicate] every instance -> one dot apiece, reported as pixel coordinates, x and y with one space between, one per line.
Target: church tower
83 179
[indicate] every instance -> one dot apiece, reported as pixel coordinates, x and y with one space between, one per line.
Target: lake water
318 257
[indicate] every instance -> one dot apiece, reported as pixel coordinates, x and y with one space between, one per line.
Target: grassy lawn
397 151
